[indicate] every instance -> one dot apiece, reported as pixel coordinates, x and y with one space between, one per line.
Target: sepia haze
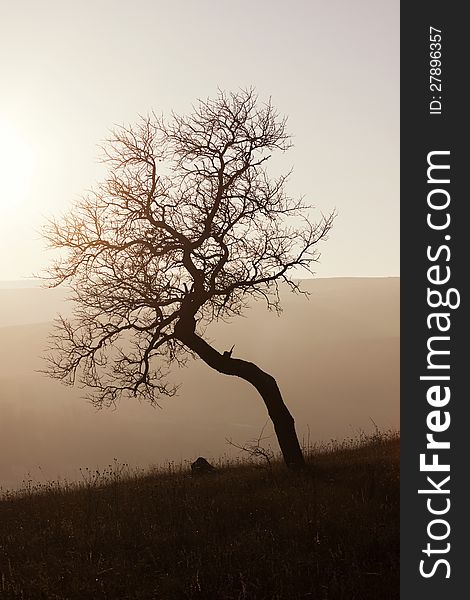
335 357
77 71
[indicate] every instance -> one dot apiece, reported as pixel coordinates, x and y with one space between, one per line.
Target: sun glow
16 167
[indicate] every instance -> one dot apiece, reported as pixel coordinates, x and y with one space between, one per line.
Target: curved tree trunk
265 384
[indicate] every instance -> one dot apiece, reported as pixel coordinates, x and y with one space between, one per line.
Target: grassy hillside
246 532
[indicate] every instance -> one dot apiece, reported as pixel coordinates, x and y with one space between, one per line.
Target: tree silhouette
186 229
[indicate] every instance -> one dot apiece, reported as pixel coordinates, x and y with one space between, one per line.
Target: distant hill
335 357
28 304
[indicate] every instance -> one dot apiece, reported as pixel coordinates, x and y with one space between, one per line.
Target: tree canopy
187 228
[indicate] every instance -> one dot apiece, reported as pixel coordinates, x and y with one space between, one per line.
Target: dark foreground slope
247 532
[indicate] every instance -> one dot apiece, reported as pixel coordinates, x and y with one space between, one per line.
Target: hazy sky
70 70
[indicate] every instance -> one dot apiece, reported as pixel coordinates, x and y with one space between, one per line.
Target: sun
16 167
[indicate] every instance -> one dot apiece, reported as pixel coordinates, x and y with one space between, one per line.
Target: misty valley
335 356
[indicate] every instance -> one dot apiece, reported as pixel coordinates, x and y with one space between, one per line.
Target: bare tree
186 229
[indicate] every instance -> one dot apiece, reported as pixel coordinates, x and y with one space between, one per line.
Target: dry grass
248 532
